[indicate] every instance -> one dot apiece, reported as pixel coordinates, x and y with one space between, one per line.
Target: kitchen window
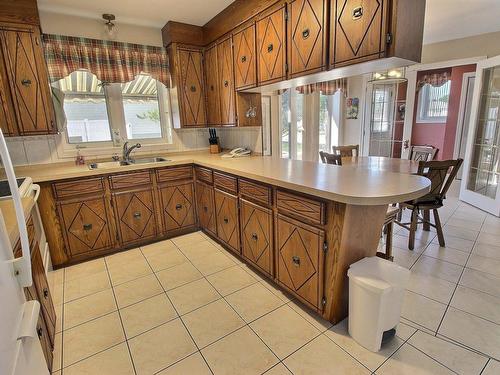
94 111
433 103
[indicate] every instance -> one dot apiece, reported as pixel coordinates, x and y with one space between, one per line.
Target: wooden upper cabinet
226 82
27 81
307 36
358 31
271 46
212 86
190 85
245 63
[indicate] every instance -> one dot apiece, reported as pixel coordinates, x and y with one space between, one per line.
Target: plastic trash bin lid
371 282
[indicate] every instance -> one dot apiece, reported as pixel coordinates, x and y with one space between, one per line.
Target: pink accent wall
442 135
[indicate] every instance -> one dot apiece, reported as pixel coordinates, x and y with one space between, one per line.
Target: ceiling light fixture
391 76
109 25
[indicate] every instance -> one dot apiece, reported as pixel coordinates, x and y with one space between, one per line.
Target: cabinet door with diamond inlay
228 227
300 259
27 75
205 206
245 65
307 36
226 82
135 215
191 88
359 32
86 226
178 206
271 46
257 235
212 86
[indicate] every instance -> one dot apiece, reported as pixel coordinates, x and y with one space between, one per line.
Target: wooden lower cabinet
135 215
299 259
86 227
178 206
228 226
257 235
205 206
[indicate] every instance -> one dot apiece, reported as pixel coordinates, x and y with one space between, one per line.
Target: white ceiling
154 13
454 19
445 19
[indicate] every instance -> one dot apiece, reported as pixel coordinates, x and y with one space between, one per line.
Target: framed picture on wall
352 108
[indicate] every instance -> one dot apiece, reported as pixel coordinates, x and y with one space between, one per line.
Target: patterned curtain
111 62
326 88
434 79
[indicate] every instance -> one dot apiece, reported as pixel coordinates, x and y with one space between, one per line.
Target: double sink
119 163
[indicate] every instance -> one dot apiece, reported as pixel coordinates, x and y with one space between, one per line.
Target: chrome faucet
127 150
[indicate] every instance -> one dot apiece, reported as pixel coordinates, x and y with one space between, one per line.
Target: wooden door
135 213
245 63
178 206
307 36
359 31
212 86
300 259
7 114
28 81
271 46
86 225
226 82
205 206
257 235
191 88
228 227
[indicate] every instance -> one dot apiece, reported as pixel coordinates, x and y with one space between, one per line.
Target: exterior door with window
481 172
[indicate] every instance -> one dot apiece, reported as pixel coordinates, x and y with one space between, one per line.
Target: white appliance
20 349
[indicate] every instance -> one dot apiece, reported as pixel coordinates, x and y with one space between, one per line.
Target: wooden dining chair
422 153
327 158
350 150
441 174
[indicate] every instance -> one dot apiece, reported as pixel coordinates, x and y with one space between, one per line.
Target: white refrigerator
20 349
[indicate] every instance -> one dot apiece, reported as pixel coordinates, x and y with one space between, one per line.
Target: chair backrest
441 173
350 150
327 158
422 153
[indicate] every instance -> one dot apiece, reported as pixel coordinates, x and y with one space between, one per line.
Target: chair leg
413 228
400 214
427 219
388 242
439 229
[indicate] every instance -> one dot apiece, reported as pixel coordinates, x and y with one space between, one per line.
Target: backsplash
44 149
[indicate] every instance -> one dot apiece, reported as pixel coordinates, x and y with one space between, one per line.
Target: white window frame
422 108
116 118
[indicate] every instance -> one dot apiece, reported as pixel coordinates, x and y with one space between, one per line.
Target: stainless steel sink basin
108 164
148 160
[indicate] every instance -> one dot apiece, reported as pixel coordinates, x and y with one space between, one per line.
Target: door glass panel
485 169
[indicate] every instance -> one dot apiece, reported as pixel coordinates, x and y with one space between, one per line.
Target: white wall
352 129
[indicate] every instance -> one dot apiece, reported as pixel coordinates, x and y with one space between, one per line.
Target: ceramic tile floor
186 306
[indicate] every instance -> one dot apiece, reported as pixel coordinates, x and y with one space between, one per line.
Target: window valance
434 79
111 62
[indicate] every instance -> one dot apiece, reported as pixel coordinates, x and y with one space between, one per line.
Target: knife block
215 149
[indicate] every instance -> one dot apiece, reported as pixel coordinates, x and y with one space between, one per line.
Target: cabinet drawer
78 187
204 174
301 207
226 182
177 173
300 259
255 192
121 181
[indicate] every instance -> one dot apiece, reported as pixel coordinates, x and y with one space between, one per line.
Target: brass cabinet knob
178 207
137 215
193 88
226 83
45 292
357 13
26 82
305 34
205 208
270 48
254 236
226 220
296 260
243 59
87 227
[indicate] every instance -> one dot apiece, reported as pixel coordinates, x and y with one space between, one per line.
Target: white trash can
376 291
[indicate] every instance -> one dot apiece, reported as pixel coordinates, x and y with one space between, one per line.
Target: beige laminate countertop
10 219
359 181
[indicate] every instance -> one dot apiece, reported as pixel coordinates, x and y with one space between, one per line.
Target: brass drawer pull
296 260
178 207
226 220
305 34
270 48
243 59
254 236
87 227
357 13
26 82
137 215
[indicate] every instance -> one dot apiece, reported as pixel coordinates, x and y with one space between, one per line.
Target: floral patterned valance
434 79
111 62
